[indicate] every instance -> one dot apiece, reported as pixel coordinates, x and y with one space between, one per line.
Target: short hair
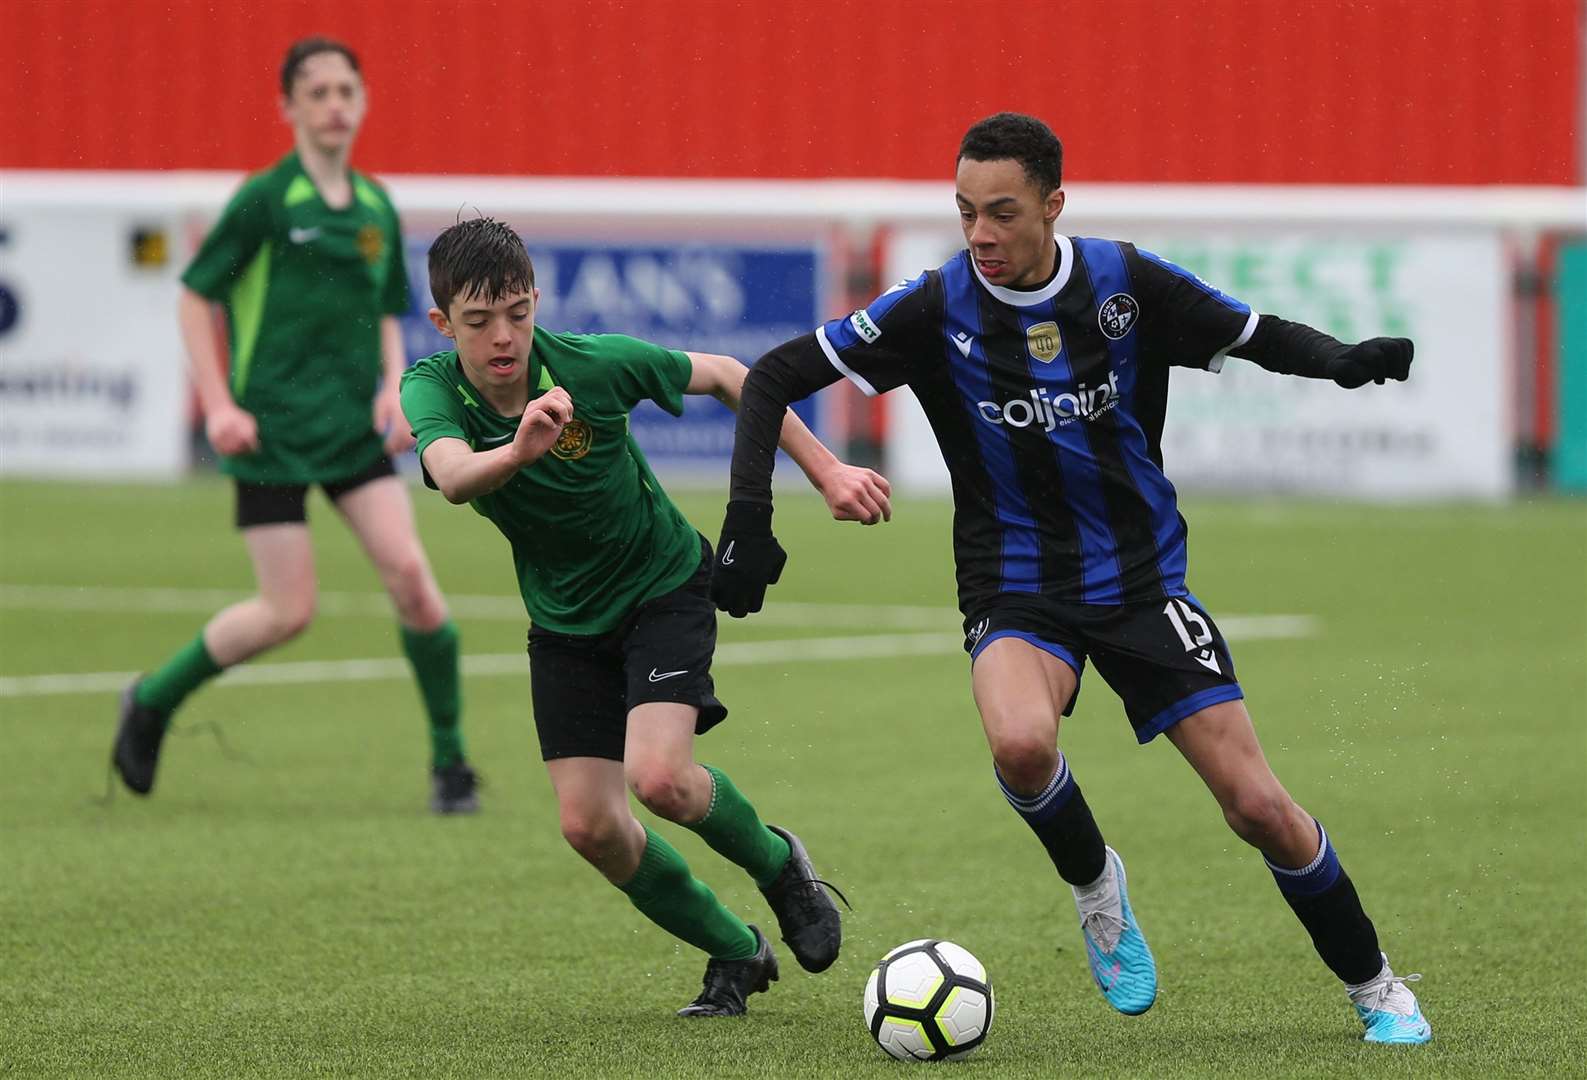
1021 138
479 257
302 49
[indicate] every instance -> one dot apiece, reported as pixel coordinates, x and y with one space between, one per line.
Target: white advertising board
91 375
1444 433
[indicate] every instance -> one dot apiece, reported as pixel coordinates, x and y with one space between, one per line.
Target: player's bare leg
380 514
592 806
663 775
1021 691
284 571
1220 743
283 567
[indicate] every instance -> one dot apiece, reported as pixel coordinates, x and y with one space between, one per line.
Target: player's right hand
748 559
542 424
1373 360
231 431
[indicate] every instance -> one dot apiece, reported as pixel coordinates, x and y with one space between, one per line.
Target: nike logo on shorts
302 236
497 438
727 556
657 676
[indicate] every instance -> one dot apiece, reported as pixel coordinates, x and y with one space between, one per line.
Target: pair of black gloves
749 558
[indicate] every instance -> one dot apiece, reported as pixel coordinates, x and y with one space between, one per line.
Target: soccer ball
929 1000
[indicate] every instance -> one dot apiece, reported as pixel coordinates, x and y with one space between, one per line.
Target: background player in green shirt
307 259
531 428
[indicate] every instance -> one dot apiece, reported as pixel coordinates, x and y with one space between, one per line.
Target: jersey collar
1022 298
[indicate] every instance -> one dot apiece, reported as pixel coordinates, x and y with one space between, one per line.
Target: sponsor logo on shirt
574 442
1044 341
302 236
1043 410
864 327
1118 314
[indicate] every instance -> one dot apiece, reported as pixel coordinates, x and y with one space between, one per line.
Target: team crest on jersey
1044 341
574 442
371 244
1118 314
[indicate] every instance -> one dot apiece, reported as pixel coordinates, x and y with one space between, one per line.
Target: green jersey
593 535
305 287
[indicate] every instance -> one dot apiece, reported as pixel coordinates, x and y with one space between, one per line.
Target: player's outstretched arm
851 492
230 429
462 474
748 557
1292 348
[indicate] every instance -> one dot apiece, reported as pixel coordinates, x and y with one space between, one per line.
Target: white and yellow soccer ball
929 1000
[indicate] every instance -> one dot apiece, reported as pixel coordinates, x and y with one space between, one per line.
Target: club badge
371 244
574 442
1117 315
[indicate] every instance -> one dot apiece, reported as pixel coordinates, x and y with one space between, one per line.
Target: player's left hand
390 422
857 494
1373 360
748 559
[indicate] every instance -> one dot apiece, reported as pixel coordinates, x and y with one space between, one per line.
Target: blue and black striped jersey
1048 406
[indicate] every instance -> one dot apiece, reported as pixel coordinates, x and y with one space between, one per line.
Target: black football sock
1324 899
1062 821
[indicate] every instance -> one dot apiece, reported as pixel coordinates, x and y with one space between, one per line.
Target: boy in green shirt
531 428
307 260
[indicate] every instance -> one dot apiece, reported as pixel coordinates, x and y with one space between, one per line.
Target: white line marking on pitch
786 651
100 599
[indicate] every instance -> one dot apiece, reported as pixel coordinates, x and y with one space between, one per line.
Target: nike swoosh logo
963 342
727 556
657 677
302 236
498 438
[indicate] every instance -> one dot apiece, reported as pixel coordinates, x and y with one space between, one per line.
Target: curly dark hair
1022 138
479 257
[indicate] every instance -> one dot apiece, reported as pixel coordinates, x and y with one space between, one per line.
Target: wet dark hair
304 48
478 257
1022 138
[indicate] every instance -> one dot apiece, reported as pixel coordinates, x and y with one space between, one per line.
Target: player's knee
593 836
290 614
1025 759
414 591
1259 816
660 789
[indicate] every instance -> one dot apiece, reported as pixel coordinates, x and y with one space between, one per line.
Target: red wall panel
1326 91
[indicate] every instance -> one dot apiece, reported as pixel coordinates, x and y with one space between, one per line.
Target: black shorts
1165 659
583 685
284 504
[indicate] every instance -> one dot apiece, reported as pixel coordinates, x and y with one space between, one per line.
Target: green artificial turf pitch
285 906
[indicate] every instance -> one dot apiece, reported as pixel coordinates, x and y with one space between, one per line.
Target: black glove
748 558
1373 360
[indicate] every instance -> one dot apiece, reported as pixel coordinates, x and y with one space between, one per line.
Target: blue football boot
1121 962
1389 1010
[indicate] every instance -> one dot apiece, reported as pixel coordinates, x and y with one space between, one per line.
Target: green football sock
167 687
433 655
668 895
735 832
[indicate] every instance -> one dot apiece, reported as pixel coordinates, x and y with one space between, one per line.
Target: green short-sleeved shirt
593 534
305 287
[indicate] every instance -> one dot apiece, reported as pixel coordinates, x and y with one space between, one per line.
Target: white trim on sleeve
832 357
1215 365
